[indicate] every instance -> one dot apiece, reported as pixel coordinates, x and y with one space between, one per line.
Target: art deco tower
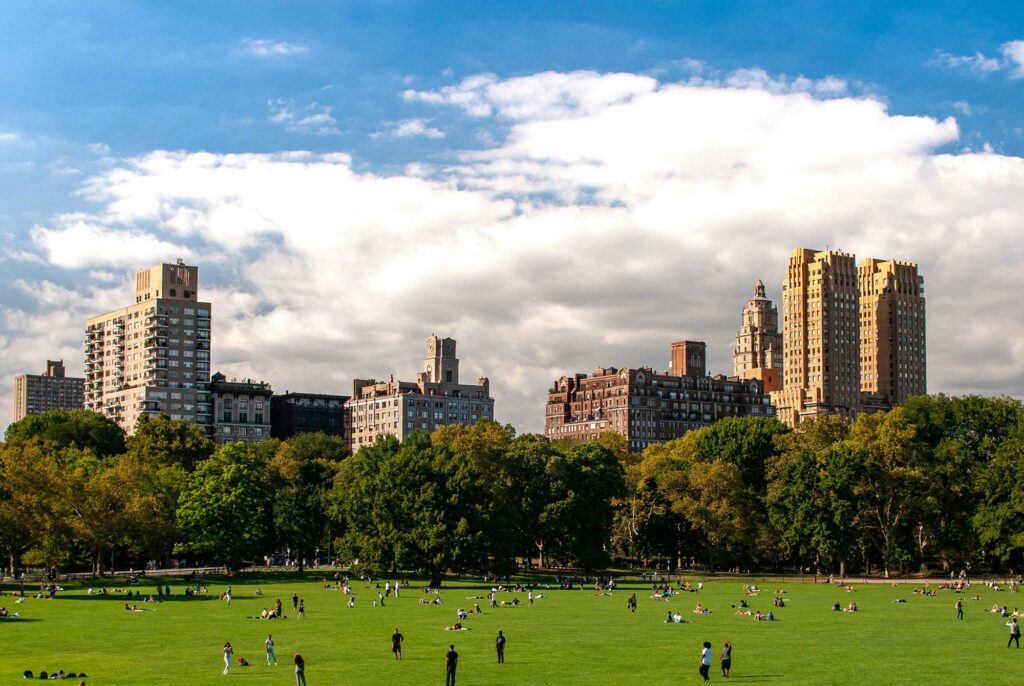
821 348
758 352
892 333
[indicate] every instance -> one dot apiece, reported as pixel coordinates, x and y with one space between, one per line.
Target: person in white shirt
705 661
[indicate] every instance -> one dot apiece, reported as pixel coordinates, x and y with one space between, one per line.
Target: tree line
934 484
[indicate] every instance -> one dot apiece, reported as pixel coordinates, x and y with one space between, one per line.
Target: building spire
759 289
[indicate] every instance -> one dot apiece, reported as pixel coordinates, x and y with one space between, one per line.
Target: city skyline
555 205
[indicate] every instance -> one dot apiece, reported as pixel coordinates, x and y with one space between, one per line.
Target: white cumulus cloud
616 214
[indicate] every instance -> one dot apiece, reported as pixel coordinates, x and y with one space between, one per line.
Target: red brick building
647 406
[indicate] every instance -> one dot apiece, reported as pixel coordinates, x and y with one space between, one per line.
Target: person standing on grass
1014 632
300 670
499 645
396 644
451 662
959 608
269 643
302 609
631 603
295 602
705 662
228 653
726 659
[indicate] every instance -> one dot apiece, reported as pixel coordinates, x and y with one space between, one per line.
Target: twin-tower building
852 337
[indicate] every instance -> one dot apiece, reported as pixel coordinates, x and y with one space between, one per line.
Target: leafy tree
225 507
165 441
577 519
27 473
71 428
894 480
813 495
1000 514
302 470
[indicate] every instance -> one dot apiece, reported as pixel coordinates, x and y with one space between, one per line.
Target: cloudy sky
558 186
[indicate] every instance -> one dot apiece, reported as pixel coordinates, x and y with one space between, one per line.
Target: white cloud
8 136
410 128
262 47
79 241
314 119
1013 53
977 62
617 214
1012 60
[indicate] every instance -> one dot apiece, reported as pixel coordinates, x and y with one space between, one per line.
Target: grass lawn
568 637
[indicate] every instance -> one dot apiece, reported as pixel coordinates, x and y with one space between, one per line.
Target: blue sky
87 90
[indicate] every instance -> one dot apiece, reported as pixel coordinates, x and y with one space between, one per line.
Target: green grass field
569 637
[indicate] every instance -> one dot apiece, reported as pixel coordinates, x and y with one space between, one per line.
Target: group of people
706 658
300 663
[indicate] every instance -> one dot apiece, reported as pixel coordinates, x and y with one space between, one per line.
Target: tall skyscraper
51 390
892 333
435 399
758 352
153 356
821 347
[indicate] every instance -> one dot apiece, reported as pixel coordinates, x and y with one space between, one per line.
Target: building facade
758 351
434 400
853 338
893 365
51 390
241 410
296 413
152 356
648 407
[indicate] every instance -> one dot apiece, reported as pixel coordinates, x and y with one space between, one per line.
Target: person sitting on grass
701 610
743 613
770 617
852 607
835 607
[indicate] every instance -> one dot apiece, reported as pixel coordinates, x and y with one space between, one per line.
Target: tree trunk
842 569
97 569
435 579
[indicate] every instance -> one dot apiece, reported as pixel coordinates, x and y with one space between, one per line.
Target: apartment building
853 338
241 409
758 350
435 399
647 406
152 356
296 413
51 390
893 365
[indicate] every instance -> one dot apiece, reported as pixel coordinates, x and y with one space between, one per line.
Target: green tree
225 508
165 441
302 471
894 481
71 428
577 520
1000 515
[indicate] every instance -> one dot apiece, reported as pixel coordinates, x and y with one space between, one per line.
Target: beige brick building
434 400
758 350
51 390
820 337
892 333
853 339
152 356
